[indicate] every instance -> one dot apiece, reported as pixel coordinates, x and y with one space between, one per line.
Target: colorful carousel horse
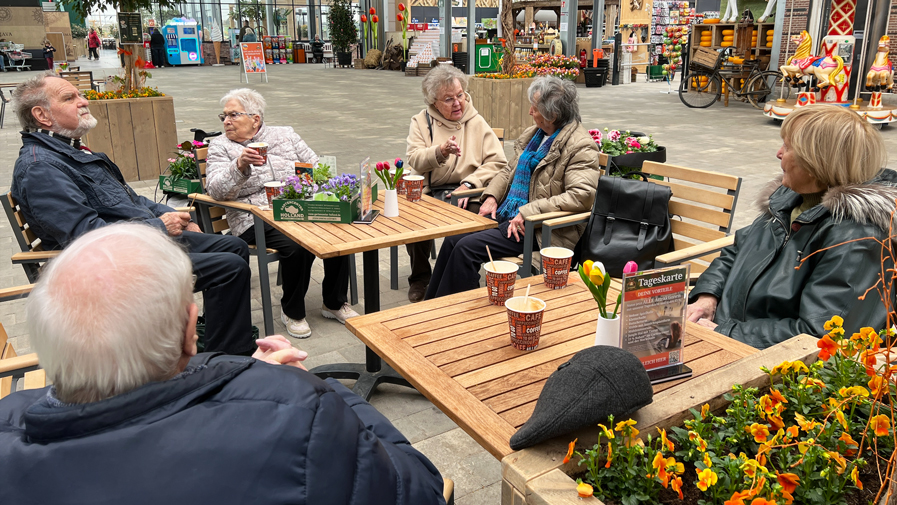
826 69
881 75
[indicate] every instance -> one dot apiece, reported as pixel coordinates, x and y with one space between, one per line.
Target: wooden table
423 220
456 351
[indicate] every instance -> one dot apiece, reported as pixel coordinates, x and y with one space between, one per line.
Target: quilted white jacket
225 181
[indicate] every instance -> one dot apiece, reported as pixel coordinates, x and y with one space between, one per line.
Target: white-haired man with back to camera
135 416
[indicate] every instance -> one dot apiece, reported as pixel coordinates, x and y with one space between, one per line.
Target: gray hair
556 99
252 101
439 78
30 94
109 314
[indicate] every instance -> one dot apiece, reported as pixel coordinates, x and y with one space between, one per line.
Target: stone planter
537 475
503 103
138 134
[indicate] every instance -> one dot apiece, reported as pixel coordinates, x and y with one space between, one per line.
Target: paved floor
352 114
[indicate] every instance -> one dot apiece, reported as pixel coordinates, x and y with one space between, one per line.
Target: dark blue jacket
234 431
65 192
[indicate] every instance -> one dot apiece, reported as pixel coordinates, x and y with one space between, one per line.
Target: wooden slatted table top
456 351
423 220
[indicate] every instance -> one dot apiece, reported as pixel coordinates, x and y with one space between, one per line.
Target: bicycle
711 74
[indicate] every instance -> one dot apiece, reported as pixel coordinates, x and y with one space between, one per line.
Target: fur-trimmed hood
871 202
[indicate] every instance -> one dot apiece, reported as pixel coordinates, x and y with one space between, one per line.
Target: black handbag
630 221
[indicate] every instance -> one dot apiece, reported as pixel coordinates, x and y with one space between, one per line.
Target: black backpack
630 221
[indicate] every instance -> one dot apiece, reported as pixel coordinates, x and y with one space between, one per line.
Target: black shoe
416 291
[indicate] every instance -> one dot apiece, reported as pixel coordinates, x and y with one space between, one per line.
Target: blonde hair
836 145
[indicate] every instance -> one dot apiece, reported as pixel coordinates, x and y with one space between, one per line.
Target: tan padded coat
482 155
565 180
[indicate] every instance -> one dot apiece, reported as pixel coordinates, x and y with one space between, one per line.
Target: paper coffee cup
400 184
500 281
525 322
272 190
414 187
262 148
556 266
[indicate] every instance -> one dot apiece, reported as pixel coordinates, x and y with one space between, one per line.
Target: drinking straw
490 259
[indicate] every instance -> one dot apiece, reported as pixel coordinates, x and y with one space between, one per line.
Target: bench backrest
28 241
217 214
81 80
702 206
12 365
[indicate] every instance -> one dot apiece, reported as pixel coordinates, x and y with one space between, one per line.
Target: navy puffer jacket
229 431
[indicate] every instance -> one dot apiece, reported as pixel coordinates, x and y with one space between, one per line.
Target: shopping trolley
17 57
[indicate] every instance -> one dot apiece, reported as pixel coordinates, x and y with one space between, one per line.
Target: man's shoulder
272 383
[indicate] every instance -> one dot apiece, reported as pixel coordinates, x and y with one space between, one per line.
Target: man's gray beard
85 124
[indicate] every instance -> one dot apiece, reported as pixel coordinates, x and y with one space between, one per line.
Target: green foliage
183 166
343 32
321 173
79 31
85 7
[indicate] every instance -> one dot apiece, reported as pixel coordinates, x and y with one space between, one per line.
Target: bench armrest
16 292
466 193
540 218
208 200
570 220
695 251
34 256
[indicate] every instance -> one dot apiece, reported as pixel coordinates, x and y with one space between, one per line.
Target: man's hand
706 323
450 147
516 227
249 157
191 226
703 308
489 207
462 202
175 222
277 350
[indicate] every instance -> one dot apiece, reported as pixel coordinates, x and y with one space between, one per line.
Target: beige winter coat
482 155
565 180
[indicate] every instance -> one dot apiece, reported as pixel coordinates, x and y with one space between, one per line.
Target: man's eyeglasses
452 99
233 116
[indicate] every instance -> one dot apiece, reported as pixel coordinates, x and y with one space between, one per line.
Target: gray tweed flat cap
595 383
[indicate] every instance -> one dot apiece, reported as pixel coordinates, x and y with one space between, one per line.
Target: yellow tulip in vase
595 277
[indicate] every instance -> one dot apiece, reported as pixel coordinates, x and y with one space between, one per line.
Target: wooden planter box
503 103
318 211
138 134
537 475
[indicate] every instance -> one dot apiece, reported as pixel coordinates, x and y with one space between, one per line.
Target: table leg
264 283
369 375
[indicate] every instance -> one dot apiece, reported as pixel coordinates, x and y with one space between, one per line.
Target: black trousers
461 256
221 266
295 270
419 252
158 54
93 53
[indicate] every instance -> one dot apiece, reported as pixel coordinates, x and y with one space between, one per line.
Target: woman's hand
489 207
462 202
703 308
249 157
516 227
450 147
277 350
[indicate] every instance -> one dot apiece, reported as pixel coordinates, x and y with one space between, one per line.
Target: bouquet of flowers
616 142
342 187
594 276
298 188
388 179
183 165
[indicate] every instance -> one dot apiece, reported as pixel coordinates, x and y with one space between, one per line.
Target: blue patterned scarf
518 196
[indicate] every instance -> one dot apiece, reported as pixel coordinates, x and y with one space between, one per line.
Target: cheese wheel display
728 32
728 38
707 44
727 44
711 21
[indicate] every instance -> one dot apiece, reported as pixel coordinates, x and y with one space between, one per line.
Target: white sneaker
296 327
344 312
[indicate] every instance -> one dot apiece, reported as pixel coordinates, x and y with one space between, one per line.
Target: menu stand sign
252 60
367 213
653 317
130 28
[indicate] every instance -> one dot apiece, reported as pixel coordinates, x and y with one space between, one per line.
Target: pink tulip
630 268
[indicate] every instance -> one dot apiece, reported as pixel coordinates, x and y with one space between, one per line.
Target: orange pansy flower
789 481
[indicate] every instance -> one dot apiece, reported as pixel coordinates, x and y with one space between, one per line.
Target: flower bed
144 92
565 67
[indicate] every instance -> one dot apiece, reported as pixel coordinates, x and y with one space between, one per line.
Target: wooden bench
12 366
81 80
33 254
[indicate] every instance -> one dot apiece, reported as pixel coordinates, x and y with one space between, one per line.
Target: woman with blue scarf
556 170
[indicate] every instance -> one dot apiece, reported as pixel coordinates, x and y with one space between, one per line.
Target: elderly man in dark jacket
65 190
135 416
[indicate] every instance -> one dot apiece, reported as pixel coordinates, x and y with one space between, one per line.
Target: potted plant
594 276
300 201
183 175
343 32
626 151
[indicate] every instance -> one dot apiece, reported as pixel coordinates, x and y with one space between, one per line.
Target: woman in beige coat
453 147
556 170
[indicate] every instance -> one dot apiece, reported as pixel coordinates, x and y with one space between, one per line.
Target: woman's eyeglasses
452 99
233 116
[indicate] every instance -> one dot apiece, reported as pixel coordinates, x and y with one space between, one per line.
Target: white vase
608 331
391 204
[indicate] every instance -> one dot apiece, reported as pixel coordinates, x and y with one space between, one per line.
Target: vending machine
183 42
